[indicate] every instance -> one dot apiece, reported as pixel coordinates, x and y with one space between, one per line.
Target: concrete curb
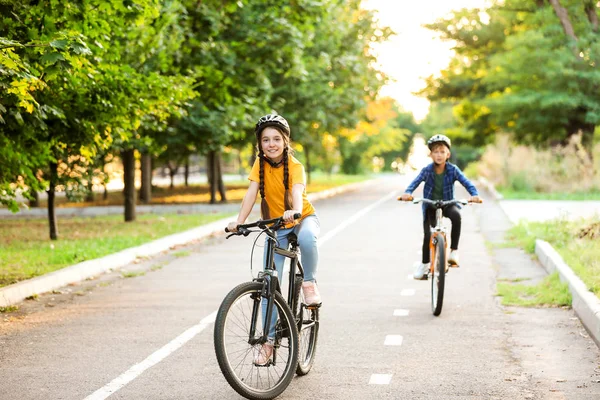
585 304
490 187
18 292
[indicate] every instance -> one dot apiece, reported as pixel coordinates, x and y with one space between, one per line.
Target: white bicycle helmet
439 139
272 120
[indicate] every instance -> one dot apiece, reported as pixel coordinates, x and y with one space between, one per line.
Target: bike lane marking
152 360
393 340
380 379
189 334
401 313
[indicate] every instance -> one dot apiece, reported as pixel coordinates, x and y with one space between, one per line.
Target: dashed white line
393 340
401 313
380 379
408 292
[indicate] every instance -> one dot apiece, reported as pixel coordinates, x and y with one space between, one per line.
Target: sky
414 52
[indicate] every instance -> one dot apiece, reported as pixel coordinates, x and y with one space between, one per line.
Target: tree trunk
89 196
211 176
219 177
565 21
308 168
590 10
563 16
105 194
146 186
128 157
34 202
172 173
186 172
51 206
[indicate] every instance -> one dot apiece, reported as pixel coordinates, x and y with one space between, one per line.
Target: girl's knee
307 237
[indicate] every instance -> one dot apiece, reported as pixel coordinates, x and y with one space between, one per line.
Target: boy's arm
466 183
413 185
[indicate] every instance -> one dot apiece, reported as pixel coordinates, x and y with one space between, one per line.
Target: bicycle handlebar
440 203
243 229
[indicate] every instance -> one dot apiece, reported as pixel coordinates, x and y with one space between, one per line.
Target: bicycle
439 264
254 310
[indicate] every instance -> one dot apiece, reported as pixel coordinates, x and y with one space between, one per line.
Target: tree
530 69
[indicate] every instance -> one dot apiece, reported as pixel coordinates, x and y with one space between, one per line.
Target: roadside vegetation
200 193
576 242
27 252
526 173
549 292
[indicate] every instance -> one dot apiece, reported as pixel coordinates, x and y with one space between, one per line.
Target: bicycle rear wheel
236 351
308 332
438 276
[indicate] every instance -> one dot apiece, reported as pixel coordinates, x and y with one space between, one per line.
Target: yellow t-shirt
274 189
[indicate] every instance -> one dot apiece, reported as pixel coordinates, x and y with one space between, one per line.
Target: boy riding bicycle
439 178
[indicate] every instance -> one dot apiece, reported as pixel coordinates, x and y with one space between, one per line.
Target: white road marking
354 218
407 292
409 277
393 340
152 360
186 336
380 379
400 313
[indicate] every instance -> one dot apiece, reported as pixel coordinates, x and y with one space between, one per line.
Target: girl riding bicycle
439 178
281 182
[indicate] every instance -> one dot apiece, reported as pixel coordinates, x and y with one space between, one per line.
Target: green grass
549 292
132 274
9 309
531 195
27 252
576 242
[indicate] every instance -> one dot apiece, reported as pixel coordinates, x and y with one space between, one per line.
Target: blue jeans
307 232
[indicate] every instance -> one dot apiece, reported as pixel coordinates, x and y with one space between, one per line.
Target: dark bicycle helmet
272 120
439 139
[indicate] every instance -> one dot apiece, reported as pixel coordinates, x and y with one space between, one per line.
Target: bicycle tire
235 354
308 333
438 276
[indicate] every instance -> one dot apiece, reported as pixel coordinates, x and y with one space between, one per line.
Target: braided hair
287 196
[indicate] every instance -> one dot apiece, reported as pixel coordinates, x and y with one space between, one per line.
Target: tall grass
523 169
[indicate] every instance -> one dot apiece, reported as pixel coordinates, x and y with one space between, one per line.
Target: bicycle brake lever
230 235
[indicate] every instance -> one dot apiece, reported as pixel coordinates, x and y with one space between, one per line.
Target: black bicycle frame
270 282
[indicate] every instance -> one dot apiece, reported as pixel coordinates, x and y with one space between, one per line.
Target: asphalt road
150 336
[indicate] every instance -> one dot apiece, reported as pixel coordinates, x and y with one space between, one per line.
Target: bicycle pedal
454 265
268 364
313 306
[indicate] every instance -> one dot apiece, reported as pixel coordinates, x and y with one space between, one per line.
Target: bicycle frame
438 230
269 278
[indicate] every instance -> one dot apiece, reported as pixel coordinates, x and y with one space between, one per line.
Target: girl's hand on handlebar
475 199
232 226
288 215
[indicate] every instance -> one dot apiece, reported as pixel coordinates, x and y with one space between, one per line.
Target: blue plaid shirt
453 174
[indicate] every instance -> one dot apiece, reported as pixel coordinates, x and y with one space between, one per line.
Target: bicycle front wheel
438 276
236 349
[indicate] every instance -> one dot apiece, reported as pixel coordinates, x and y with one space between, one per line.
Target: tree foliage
526 67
